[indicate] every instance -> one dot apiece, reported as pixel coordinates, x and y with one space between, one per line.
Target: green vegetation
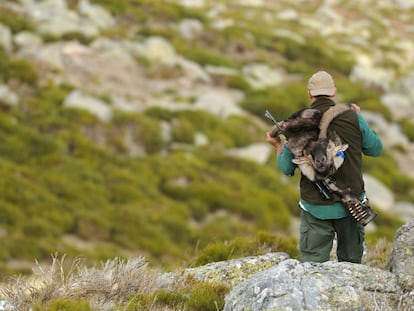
148 10
384 168
262 243
197 296
16 69
407 127
116 285
65 305
281 101
138 184
58 182
15 21
131 285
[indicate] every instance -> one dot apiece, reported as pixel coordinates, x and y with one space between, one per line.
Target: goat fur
318 151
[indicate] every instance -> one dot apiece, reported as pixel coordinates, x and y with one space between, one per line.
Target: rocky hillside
136 127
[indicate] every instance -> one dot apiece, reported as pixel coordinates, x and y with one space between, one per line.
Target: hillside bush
68 36
235 131
13 68
383 168
198 209
281 101
64 305
378 253
407 127
259 244
220 226
146 131
147 10
237 82
182 131
367 98
234 194
15 21
203 55
315 52
22 70
207 297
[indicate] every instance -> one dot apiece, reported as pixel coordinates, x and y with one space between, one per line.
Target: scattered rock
95 106
159 50
233 272
402 258
292 285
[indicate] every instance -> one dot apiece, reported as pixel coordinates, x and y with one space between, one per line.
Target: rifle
277 130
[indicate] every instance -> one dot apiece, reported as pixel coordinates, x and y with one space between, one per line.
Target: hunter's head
321 84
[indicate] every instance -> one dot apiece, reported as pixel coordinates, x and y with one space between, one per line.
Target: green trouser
317 235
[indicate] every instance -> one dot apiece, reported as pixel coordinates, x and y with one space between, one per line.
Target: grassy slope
61 192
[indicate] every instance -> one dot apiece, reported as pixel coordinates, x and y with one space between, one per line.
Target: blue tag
340 154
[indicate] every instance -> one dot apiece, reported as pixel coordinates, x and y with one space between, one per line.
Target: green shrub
146 130
198 209
367 98
24 247
9 214
383 168
207 297
407 127
114 6
238 82
17 69
269 242
170 299
140 302
68 36
37 228
23 71
190 295
281 102
5 271
4 64
242 130
161 12
15 21
65 305
182 131
4 256
93 227
314 53
263 242
203 55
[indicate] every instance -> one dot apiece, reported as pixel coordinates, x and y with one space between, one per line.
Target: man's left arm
371 143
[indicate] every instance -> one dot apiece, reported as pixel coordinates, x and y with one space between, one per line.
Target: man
321 219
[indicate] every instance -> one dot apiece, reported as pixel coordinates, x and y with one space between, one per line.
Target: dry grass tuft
113 282
379 255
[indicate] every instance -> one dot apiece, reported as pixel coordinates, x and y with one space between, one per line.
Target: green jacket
353 130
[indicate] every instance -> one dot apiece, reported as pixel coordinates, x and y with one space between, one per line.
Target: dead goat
318 151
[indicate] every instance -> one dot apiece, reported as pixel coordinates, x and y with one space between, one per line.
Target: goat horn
328 116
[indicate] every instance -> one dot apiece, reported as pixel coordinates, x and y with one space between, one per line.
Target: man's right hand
276 142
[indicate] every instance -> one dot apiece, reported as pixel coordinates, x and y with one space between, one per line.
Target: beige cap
321 83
